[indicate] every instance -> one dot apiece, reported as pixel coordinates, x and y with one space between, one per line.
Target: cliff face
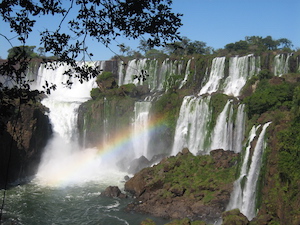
22 142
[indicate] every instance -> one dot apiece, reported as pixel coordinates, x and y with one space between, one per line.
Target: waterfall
249 197
186 74
216 74
244 198
240 70
157 74
236 199
223 131
239 130
140 126
191 128
134 68
63 159
281 64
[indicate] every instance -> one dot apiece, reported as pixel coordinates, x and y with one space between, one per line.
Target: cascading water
222 135
239 130
249 191
156 75
186 74
244 198
236 199
216 74
140 126
191 129
61 161
281 64
240 70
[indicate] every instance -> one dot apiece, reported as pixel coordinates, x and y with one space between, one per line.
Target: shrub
104 76
269 97
95 93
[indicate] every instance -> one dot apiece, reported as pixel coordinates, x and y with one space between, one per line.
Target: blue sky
216 22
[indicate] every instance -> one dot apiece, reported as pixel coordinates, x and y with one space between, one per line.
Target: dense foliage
19 50
187 47
259 44
269 96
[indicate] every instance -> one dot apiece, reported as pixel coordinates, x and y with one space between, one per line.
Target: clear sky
216 22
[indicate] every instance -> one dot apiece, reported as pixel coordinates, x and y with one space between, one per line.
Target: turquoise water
33 204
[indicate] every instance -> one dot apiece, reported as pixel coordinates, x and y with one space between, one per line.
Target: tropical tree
260 44
186 47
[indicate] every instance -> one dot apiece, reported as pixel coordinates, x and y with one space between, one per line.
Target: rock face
22 142
197 187
113 192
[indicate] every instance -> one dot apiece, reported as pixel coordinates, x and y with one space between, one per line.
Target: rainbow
80 163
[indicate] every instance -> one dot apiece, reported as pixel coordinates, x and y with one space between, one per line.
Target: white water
215 76
157 75
244 198
239 130
222 137
236 198
63 161
134 68
249 191
141 132
281 64
186 74
240 70
191 129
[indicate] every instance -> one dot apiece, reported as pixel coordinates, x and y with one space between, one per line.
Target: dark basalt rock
113 192
23 138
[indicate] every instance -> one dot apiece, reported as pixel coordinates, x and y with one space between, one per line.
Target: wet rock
113 192
138 164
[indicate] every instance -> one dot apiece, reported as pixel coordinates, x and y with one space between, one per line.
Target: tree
270 43
237 46
285 43
186 47
102 20
155 54
124 49
144 46
17 51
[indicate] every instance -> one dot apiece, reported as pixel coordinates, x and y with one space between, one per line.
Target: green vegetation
168 106
269 96
289 156
22 51
187 47
193 176
258 44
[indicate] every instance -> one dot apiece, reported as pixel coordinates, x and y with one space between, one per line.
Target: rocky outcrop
197 187
113 192
234 217
23 137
